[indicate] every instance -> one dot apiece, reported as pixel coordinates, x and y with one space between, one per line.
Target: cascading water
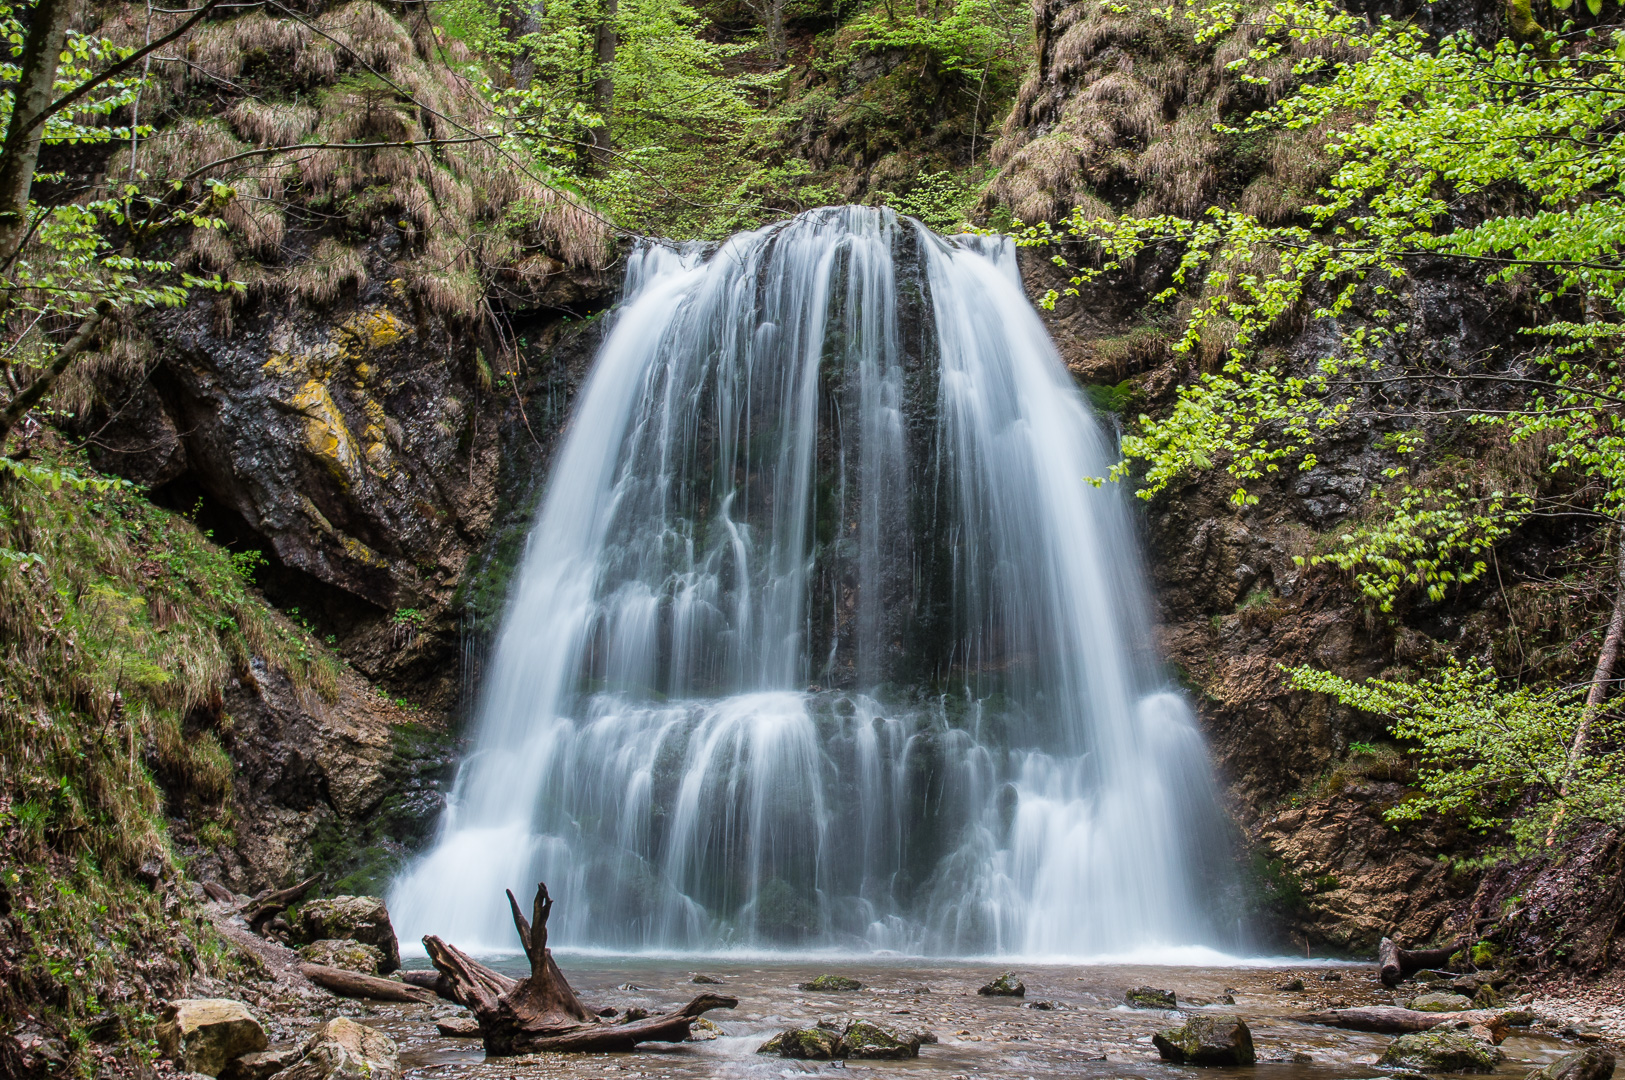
822 637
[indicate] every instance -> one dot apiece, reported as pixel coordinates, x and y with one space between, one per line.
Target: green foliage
941 200
959 35
1423 540
1489 756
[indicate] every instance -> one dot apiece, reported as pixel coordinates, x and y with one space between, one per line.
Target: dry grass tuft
331 270
274 124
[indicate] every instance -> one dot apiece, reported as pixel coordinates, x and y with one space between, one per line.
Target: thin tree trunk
1601 679
603 87
42 52
18 407
775 30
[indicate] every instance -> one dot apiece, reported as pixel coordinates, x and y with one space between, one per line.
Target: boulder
356 918
1210 1039
706 980
1006 985
260 1065
703 1030
806 1044
345 953
1440 1002
1292 985
826 984
342 1049
1592 1063
458 1027
1149 997
201 1034
1440 1051
869 1041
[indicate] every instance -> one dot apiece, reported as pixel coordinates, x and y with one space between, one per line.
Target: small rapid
824 640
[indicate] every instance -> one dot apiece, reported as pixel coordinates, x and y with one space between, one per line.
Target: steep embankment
1116 116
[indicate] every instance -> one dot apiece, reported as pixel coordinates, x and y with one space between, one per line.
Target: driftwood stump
1396 963
541 1012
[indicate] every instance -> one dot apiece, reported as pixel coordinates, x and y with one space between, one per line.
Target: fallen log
541 1011
1396 963
430 980
1393 1020
268 905
353 984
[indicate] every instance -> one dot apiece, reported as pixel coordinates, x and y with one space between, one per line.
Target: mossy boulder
829 984
865 1040
703 1030
355 918
805 1044
346 953
1209 1039
200 1035
1592 1063
1440 1051
1006 985
1438 1002
1149 997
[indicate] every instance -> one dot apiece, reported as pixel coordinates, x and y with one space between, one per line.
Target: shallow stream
1088 1033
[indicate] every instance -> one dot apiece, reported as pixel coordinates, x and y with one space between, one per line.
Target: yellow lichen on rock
326 434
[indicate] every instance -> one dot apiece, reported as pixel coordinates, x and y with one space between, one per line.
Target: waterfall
824 639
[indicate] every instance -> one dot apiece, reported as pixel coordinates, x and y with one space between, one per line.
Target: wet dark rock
1006 985
609 1011
1284 1057
630 987
805 1044
1592 1063
461 1027
1042 1006
1211 1039
1291 986
865 1040
1149 997
706 980
1440 1051
827 984
636 1012
1331 976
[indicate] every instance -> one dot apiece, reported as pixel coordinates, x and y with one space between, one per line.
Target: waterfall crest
823 639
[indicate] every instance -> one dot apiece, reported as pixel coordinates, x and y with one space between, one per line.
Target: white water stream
822 639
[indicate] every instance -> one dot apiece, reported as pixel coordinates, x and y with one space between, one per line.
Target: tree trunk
1601 679
775 30
603 87
353 984
268 905
1392 1020
42 52
430 980
541 1011
1396 963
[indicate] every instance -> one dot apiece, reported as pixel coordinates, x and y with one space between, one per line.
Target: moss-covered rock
865 1040
1149 997
1209 1039
703 1030
344 953
828 984
1437 1001
1592 1063
201 1035
1006 985
805 1044
357 918
1440 1051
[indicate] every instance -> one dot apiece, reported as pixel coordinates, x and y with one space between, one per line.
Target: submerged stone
830 984
1006 985
1210 1039
1149 997
1440 1051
